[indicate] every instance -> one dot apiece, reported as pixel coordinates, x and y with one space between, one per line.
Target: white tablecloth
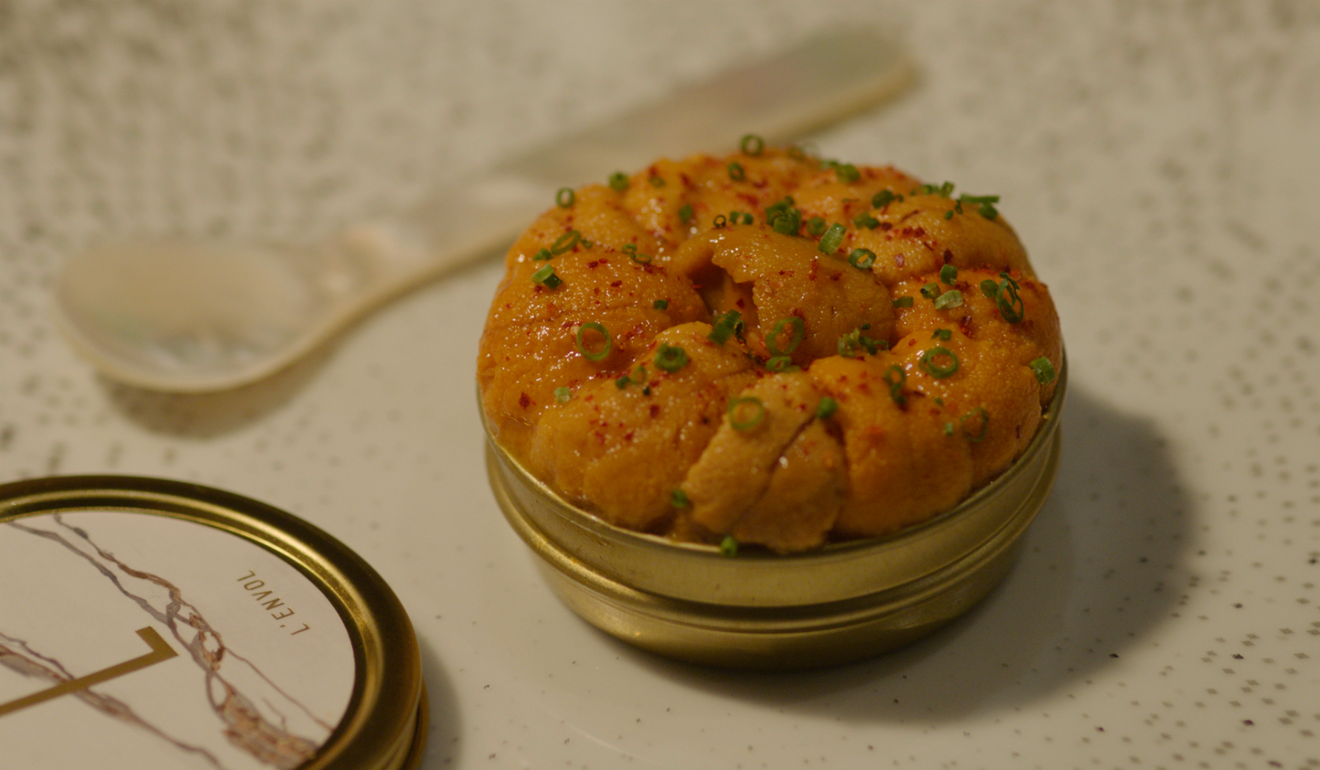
1160 161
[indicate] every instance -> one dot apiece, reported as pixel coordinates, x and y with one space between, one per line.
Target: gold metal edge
387 692
828 633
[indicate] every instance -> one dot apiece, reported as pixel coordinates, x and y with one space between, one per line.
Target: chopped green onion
787 223
949 274
685 213
846 173
631 250
736 172
1006 296
565 197
1044 370
799 331
619 181
542 255
930 290
948 429
950 298
657 181
934 368
746 423
854 340
726 326
784 217
942 334
816 227
896 383
752 144
565 242
985 204
679 499
985 424
944 190
865 219
638 377
728 546
826 408
582 348
903 302
720 221
832 239
562 395
882 199
661 304
862 259
780 364
546 277
670 358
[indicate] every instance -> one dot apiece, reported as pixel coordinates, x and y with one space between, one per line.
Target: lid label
162 642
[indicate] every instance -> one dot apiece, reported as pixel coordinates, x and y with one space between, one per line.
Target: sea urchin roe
772 339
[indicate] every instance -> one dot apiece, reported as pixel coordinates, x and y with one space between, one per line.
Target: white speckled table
1159 160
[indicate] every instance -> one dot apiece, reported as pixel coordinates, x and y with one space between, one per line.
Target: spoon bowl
188 316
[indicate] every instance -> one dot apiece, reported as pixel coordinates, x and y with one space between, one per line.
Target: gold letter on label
160 651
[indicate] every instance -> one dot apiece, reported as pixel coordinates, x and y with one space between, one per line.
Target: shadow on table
207 415
445 729
1102 568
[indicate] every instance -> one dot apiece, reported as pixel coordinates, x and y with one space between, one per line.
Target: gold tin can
168 624
841 603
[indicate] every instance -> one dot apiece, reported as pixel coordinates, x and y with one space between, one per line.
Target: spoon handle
819 81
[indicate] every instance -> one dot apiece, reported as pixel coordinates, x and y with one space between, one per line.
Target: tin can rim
384 725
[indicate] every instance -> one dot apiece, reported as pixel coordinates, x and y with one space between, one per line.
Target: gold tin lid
154 623
841 603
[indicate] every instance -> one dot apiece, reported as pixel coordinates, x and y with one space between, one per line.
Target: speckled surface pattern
1159 160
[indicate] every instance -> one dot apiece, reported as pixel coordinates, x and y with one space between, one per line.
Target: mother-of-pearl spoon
199 315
